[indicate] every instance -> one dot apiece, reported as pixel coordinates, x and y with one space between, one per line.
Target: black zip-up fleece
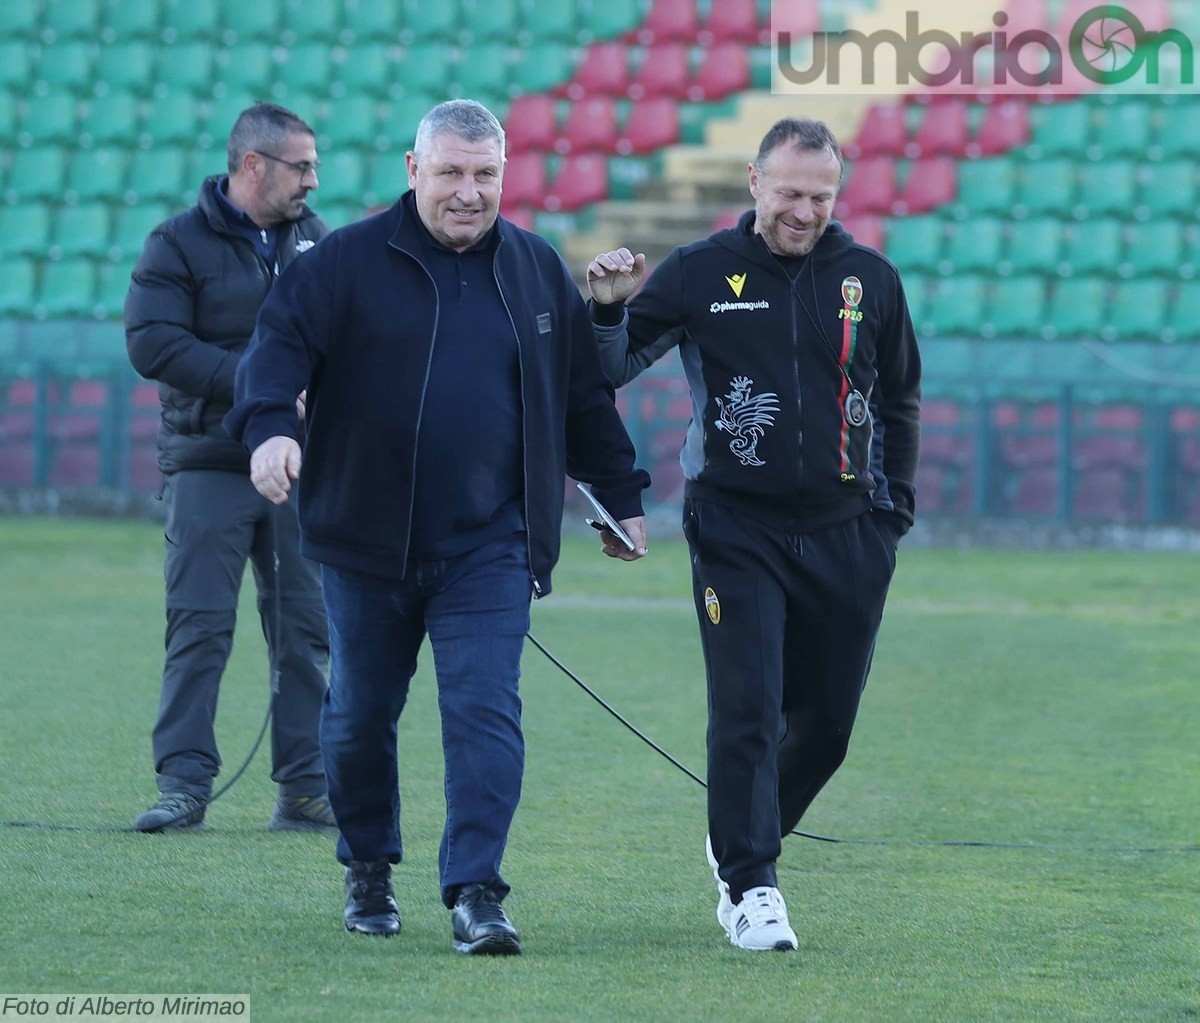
764 357
189 314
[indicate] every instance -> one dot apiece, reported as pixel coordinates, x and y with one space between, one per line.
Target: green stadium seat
1045 188
1123 128
243 22
494 20
1138 310
66 65
17 281
1178 132
353 121
66 288
1093 247
387 178
1034 246
19 19
607 19
986 186
245 68
1109 186
15 65
371 20
1183 317
127 21
70 19
956 305
112 285
172 117
1016 307
309 21
541 67
1060 129
81 231
480 72
1077 308
52 118
1167 189
916 288
223 112
367 68
424 68
304 70
1153 247
97 174
133 226
110 119
342 179
158 174
188 19
546 20
185 67
431 23
25 229
124 67
200 164
8 114
915 243
339 214
38 173
975 245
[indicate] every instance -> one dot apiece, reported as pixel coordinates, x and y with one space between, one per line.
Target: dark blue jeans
475 609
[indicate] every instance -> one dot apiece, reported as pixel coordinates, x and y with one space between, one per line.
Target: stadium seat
1093 247
19 19
304 70
110 120
133 225
342 178
931 181
883 132
1077 307
96 174
986 186
432 23
866 229
1107 187
870 187
664 70
732 21
1137 311
544 66
532 123
125 21
126 66
186 67
309 21
591 124
524 180
1004 127
15 65
1061 128
1166 190
1178 134
174 117
956 304
915 243
377 21
112 284
480 72
366 68
49 120
651 125
40 174
488 20
581 179
1034 247
724 69
67 288
1016 308
974 246
387 178
17 282
25 228
243 22
669 21
70 19
188 19
352 121
603 71
81 231
799 18
1123 128
1183 316
66 65
1044 188
423 68
607 19
8 114
1153 247
943 130
548 21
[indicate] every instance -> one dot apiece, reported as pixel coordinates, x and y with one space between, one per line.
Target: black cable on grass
964 843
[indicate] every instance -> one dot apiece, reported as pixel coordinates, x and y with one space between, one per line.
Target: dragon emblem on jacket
745 417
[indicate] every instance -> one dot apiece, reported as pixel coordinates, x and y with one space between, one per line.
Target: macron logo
736 282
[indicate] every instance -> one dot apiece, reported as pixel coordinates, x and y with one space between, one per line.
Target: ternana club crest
852 290
746 417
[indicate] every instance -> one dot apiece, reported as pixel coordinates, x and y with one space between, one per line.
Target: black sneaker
370 904
480 926
303 813
174 811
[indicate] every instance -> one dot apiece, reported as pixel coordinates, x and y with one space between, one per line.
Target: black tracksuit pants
787 624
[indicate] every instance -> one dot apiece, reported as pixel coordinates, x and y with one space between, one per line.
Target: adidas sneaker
760 922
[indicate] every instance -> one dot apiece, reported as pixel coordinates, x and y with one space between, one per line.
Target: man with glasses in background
189 314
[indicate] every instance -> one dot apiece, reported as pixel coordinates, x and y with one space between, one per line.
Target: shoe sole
779 946
352 929
160 828
490 945
310 826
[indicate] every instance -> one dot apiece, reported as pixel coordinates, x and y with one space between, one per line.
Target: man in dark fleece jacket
452 381
799 466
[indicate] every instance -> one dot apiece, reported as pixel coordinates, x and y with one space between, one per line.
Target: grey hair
264 127
802 132
462 117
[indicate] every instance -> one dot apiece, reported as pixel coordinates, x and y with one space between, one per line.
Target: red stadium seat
524 181
724 69
665 71
884 132
604 71
733 21
932 181
532 123
871 187
943 129
652 124
581 179
1005 126
522 216
591 124
800 18
669 20
867 229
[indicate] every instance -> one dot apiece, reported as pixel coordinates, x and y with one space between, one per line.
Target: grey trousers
215 522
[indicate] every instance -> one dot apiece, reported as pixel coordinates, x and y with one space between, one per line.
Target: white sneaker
724 905
760 922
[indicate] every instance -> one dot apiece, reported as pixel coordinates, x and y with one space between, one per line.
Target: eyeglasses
303 168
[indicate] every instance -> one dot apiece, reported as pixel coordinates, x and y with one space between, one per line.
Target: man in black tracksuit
189 314
452 380
799 466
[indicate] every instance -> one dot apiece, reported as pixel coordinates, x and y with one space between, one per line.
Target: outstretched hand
614 276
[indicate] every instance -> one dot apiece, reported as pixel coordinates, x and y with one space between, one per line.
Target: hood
742 240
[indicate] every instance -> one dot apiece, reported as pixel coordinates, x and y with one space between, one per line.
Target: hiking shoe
370 904
174 811
480 926
760 922
303 813
724 905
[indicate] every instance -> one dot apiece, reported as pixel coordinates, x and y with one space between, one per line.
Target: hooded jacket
354 322
773 364
189 314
